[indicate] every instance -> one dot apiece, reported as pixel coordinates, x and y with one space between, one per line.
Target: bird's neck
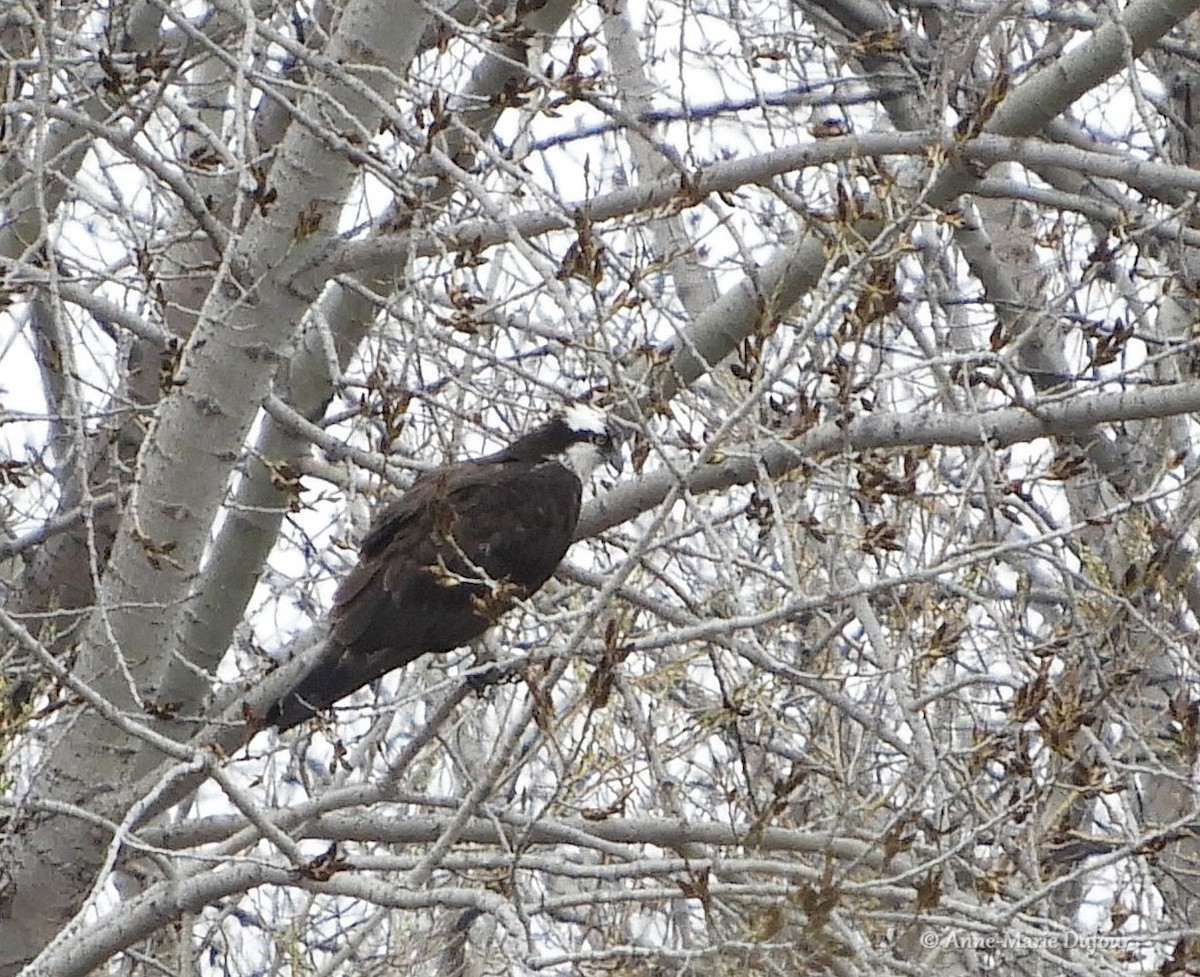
582 459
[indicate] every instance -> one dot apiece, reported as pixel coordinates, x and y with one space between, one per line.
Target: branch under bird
443 562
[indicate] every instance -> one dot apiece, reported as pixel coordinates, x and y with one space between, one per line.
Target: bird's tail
297 706
327 681
337 674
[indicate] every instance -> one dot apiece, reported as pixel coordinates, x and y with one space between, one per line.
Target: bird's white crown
585 419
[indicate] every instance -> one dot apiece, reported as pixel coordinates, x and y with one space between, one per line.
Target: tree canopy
881 653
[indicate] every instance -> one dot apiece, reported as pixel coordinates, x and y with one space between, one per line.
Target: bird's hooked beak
612 452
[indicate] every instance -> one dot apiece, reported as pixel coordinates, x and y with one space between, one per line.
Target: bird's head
592 441
578 436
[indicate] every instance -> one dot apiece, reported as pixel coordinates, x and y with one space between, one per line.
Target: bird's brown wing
400 528
400 589
518 524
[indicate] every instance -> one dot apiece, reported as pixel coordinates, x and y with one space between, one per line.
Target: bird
444 561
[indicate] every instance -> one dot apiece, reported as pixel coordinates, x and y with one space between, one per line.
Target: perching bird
443 562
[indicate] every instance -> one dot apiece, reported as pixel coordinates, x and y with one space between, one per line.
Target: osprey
444 561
